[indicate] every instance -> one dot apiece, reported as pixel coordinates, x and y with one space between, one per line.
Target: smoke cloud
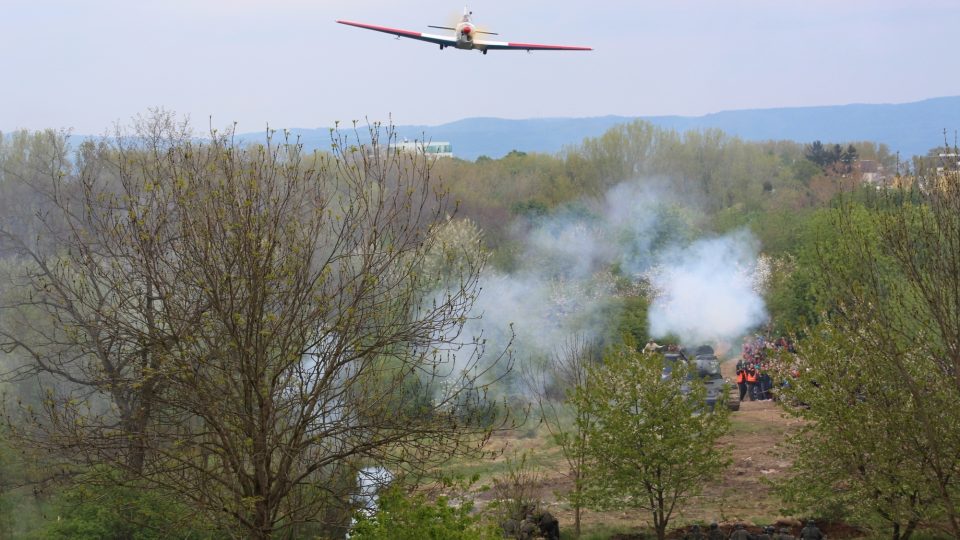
707 291
574 264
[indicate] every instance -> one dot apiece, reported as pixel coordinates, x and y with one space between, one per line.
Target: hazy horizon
287 63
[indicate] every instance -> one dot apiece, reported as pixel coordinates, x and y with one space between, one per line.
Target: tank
707 368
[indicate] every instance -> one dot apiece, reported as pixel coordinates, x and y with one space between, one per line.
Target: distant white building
434 149
949 161
870 171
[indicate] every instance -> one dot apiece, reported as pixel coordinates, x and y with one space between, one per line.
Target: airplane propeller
475 31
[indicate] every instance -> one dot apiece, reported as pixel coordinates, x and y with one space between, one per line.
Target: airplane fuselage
465 32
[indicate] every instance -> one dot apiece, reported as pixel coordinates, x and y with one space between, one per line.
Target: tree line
217 339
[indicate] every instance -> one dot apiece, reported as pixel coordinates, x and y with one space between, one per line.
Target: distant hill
910 128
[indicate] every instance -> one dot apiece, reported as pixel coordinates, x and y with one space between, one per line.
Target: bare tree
554 388
247 327
87 312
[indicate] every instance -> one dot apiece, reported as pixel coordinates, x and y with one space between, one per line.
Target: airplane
464 37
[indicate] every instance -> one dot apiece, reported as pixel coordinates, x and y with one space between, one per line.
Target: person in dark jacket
715 533
694 534
765 382
739 533
811 532
741 380
549 526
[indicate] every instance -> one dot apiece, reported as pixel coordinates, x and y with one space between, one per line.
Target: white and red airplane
464 37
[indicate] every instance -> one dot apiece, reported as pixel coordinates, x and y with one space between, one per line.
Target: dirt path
741 494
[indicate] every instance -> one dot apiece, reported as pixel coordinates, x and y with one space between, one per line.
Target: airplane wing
512 46
432 38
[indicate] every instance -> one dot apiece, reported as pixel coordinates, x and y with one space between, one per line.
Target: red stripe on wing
547 47
385 29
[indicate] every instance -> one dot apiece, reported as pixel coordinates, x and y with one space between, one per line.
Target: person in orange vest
741 379
751 377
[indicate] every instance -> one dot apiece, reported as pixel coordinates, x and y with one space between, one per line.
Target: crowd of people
760 369
755 368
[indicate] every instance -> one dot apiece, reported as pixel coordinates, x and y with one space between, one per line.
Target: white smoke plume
543 310
708 291
565 281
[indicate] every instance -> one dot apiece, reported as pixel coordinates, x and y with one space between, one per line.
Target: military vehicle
705 366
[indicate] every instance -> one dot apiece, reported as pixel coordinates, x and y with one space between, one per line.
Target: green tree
836 154
890 280
804 169
852 457
849 156
817 154
799 292
652 444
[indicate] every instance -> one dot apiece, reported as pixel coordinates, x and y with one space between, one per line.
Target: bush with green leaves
87 511
403 516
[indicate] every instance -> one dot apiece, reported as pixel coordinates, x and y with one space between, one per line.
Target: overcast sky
85 64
